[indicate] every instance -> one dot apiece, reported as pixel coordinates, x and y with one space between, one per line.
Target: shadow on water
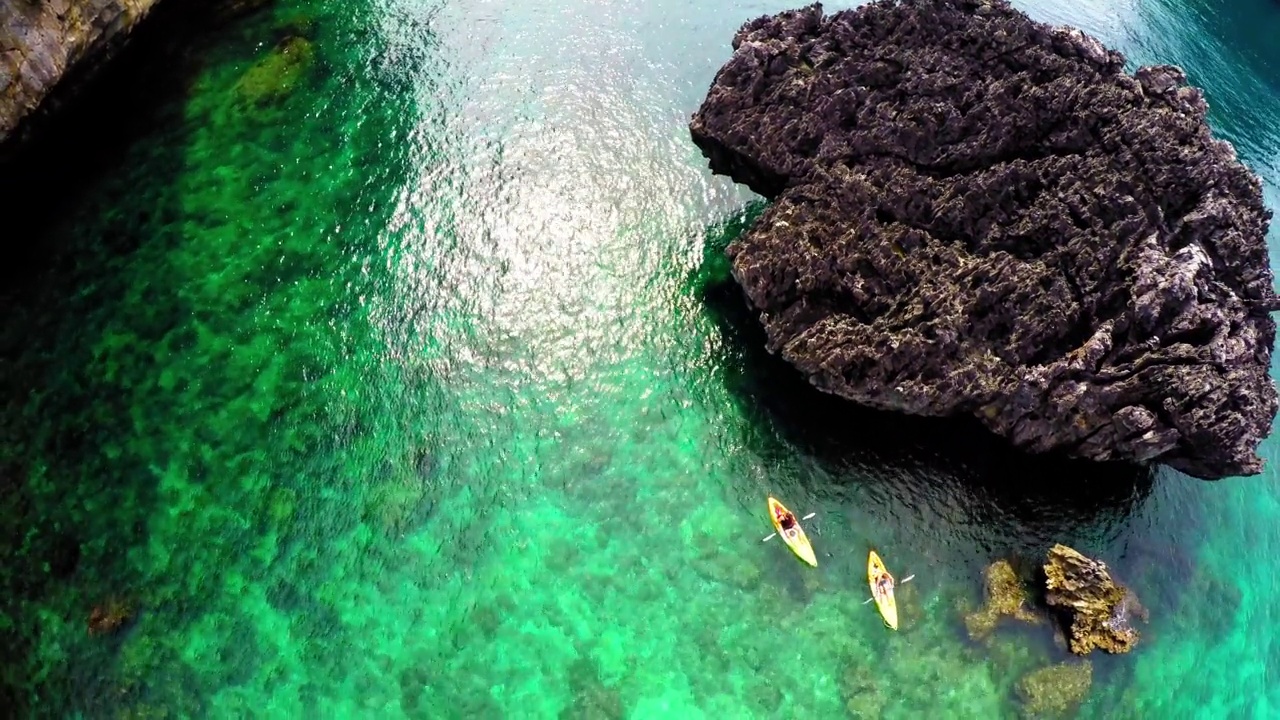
86 127
948 470
53 470
111 297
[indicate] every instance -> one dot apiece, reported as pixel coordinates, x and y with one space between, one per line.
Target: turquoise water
393 372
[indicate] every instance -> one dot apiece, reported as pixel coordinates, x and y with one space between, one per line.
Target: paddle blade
868 600
907 579
806 517
771 536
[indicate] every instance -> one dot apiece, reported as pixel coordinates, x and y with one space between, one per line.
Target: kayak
884 600
795 537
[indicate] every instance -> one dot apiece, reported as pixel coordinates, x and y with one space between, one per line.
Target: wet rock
977 214
1056 689
1097 610
1005 597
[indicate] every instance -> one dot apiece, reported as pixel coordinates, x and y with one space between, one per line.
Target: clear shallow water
417 392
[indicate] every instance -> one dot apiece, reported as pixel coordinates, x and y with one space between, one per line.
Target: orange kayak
883 596
794 537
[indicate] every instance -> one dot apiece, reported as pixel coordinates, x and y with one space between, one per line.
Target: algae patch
275 76
1005 596
1056 689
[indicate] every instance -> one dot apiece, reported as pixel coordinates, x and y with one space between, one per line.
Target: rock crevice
978 214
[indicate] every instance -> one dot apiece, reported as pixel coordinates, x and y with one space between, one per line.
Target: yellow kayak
882 593
794 536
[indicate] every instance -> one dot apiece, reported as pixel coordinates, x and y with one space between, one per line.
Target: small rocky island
978 214
1099 612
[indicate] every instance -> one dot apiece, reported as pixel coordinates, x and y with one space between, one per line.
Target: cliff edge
42 40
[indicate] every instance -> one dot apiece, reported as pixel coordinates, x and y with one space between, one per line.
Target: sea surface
380 361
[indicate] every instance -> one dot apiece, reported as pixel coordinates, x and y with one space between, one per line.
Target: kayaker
786 520
882 584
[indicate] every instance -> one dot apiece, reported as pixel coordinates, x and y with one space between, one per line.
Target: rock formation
1098 611
1005 596
41 40
978 214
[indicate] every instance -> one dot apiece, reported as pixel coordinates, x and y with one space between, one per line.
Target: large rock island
978 214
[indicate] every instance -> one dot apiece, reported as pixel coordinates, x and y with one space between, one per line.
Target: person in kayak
883 585
786 520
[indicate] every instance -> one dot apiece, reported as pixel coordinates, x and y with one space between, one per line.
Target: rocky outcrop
1005 597
1098 611
978 214
41 40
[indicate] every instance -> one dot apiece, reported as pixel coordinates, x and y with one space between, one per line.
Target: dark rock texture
1099 612
975 213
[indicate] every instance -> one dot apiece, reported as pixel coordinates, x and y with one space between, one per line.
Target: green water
415 389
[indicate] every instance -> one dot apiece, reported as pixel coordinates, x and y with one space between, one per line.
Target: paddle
773 535
904 581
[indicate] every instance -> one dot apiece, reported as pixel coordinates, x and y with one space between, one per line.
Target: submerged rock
862 690
1006 597
109 616
978 214
1056 689
1099 611
275 76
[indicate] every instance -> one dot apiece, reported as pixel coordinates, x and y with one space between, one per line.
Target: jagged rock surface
1100 612
978 214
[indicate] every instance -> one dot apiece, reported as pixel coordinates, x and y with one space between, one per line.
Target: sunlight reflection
526 247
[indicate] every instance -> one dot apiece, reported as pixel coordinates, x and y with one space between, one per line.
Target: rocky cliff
978 214
42 40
